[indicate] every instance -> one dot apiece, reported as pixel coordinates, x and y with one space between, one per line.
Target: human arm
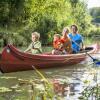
81 43
29 48
37 46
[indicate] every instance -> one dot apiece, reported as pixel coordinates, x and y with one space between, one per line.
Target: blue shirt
76 41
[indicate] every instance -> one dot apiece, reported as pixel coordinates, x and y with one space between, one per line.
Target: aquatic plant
45 89
91 86
91 93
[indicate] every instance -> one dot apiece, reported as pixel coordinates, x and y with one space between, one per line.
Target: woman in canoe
76 39
66 41
62 45
35 46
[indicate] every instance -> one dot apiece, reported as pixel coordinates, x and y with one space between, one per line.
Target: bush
94 31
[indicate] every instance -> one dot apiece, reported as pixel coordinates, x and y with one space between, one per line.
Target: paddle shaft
96 61
84 50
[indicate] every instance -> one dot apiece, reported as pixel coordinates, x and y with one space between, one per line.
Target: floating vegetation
52 88
4 89
91 86
91 93
46 91
6 77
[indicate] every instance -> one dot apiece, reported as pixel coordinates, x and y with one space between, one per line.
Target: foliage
19 18
95 31
81 16
95 12
91 93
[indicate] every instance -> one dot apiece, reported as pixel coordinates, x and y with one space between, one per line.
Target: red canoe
12 59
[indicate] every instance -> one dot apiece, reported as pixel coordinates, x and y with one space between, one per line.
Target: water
77 76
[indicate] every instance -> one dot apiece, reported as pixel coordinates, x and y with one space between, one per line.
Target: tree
80 15
19 18
95 13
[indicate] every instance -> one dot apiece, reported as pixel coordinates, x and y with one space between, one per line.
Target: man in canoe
76 39
35 46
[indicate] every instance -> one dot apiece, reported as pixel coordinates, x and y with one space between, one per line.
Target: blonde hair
37 35
57 35
65 30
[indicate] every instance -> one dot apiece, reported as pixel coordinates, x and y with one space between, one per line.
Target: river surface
78 76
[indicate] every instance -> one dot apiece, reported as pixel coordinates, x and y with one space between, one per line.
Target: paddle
96 61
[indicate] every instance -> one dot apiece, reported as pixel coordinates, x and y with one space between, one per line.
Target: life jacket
57 45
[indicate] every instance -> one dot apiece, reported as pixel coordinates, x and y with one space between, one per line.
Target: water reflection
77 77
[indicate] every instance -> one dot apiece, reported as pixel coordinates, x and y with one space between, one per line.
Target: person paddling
76 39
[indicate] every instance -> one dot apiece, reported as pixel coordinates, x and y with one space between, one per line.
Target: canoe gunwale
20 53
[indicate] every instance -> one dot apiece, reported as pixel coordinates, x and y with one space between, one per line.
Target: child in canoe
35 46
58 45
66 40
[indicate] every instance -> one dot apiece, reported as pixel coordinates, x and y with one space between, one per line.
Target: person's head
65 31
57 37
35 36
74 28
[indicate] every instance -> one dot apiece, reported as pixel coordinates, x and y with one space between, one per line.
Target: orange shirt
67 44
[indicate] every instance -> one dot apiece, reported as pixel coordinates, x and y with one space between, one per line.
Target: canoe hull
13 60
22 66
